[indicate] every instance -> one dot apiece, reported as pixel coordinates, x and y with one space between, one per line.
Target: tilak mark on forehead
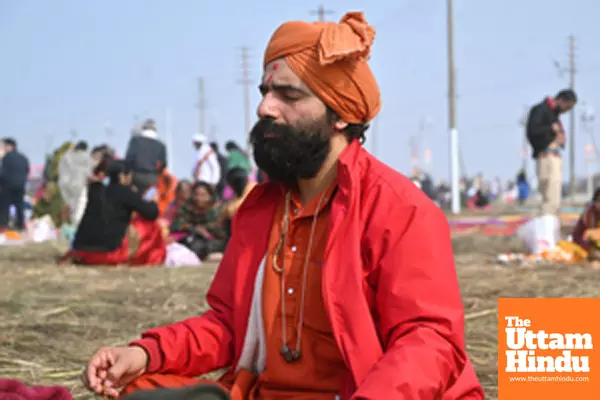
273 68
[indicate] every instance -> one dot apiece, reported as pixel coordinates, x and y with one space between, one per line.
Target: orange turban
331 59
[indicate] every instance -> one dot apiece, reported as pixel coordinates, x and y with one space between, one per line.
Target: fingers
84 378
111 392
115 373
95 372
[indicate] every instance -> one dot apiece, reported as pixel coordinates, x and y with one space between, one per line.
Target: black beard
287 154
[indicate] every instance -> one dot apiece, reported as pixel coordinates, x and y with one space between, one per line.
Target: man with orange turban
339 279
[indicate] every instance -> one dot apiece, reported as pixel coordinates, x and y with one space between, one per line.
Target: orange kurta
318 373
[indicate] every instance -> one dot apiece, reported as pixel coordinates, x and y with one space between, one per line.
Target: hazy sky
78 64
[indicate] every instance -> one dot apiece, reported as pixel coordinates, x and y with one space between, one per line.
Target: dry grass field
52 318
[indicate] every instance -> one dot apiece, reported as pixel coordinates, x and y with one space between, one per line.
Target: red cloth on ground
12 389
152 249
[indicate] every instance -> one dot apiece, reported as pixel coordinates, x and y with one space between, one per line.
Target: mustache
267 128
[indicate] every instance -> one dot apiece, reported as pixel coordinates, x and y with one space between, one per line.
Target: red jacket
403 338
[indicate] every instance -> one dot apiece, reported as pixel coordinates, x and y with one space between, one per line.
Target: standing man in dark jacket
547 138
147 156
13 179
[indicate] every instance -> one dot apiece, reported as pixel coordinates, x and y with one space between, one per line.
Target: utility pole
591 149
201 106
245 81
454 148
320 12
571 70
572 117
524 147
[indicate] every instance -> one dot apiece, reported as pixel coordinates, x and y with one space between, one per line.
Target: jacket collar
552 104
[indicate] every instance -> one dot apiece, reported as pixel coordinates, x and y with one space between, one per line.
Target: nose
267 108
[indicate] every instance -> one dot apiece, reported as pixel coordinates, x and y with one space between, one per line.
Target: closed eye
287 92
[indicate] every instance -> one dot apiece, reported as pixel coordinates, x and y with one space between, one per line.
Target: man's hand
556 128
560 134
560 139
111 368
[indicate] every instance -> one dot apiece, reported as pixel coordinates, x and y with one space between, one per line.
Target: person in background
547 139
206 163
495 189
237 158
589 220
50 203
199 219
53 160
166 186
13 179
147 156
241 186
523 186
74 169
183 192
223 173
2 152
100 237
100 154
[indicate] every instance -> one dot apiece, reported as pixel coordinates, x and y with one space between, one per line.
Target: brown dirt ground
53 318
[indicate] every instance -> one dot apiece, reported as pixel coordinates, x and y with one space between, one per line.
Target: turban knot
331 59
